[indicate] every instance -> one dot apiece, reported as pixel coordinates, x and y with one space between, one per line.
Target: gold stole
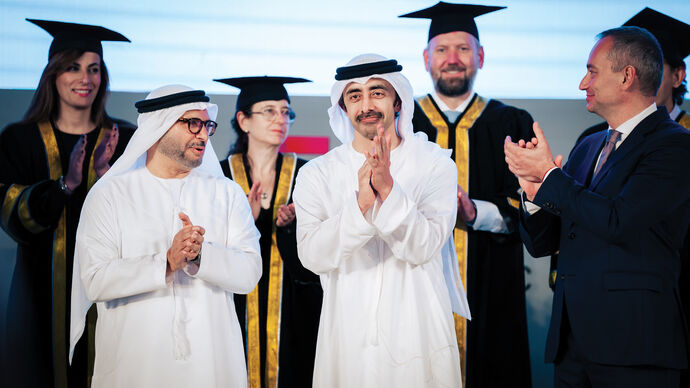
275 280
462 161
60 348
684 120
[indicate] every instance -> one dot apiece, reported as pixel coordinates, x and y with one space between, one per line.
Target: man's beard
455 86
169 148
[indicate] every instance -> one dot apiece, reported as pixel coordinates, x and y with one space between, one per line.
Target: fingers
538 132
558 161
185 220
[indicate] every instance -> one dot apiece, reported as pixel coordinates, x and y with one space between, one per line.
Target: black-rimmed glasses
194 125
271 114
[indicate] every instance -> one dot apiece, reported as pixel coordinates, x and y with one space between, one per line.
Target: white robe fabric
157 332
386 318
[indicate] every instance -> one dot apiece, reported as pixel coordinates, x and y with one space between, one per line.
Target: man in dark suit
673 36
618 212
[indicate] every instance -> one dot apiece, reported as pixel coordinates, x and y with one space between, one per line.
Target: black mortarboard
672 34
77 36
255 89
448 17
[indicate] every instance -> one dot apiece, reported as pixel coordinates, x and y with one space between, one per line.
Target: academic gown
497 349
158 331
43 221
300 290
386 318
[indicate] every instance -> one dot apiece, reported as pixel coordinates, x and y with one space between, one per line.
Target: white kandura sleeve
233 264
106 275
489 218
416 231
325 240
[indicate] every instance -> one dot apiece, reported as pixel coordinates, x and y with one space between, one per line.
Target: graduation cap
448 17
672 34
77 36
255 89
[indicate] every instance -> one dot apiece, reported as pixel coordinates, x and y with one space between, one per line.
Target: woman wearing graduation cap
280 318
48 162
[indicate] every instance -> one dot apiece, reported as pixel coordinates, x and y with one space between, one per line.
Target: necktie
609 147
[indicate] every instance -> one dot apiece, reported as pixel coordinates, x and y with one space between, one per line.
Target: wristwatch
63 186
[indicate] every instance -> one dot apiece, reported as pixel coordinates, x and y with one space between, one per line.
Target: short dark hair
45 104
679 92
636 47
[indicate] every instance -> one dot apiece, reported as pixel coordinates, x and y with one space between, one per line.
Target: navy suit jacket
619 237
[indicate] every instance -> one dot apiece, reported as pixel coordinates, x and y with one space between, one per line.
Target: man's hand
530 161
380 161
254 198
104 151
366 195
466 210
76 163
286 214
185 246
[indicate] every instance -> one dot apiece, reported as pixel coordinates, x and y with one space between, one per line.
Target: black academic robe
38 309
301 295
497 351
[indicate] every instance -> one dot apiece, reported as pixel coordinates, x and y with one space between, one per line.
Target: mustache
454 68
196 144
368 114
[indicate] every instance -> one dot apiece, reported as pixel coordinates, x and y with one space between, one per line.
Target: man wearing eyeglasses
164 242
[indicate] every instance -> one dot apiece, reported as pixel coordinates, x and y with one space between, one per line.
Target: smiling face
78 84
369 104
452 59
263 129
601 83
182 147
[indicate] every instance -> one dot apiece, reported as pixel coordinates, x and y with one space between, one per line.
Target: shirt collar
632 122
674 112
444 108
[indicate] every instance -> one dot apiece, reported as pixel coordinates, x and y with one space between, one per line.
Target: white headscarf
151 127
341 124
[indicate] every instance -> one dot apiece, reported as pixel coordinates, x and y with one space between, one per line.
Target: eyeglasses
194 125
271 114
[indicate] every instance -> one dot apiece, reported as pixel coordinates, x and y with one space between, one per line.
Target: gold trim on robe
462 161
275 280
93 177
25 214
59 263
684 119
11 196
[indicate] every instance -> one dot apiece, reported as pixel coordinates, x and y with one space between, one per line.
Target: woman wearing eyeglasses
48 162
280 318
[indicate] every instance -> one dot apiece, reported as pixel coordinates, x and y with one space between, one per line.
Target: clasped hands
286 213
101 157
375 179
186 245
530 160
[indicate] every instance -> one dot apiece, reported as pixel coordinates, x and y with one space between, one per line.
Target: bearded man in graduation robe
494 349
163 243
374 220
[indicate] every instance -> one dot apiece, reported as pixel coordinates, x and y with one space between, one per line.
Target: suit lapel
630 144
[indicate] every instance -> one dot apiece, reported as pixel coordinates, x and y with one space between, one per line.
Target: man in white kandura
374 220
163 242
